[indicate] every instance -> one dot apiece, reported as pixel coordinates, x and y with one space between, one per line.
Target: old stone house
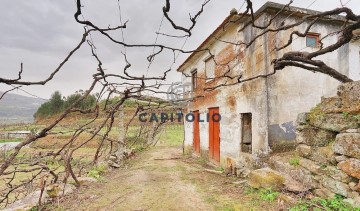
258 116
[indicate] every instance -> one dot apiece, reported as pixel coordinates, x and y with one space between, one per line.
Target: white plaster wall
188 127
354 60
295 90
204 131
290 91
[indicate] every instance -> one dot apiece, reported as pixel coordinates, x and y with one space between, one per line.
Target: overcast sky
40 33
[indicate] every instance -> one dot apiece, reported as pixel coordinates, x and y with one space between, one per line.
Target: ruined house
258 116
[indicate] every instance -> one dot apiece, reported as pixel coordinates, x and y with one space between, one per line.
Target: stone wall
328 139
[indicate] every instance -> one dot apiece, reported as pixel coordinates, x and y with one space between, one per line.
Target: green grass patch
335 203
220 169
294 161
97 171
267 194
173 135
346 114
10 140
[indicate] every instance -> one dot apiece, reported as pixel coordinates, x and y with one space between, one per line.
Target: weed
267 194
34 209
249 190
294 161
219 169
202 161
323 166
335 203
300 207
316 113
97 171
139 148
346 114
357 117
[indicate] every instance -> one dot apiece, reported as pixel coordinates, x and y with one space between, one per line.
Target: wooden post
119 148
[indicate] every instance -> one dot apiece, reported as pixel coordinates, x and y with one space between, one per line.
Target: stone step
299 174
269 178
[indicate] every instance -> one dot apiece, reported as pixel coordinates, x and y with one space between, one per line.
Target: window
312 40
246 132
194 79
210 69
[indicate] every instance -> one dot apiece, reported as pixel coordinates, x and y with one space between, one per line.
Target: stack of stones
328 140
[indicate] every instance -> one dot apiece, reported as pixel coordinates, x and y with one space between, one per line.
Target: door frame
214 136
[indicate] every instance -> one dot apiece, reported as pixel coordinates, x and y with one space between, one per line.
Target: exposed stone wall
328 140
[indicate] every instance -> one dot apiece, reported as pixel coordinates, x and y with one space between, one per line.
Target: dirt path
154 182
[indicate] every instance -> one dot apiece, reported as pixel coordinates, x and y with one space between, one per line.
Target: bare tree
137 85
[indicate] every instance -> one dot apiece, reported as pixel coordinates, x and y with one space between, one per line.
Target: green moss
316 114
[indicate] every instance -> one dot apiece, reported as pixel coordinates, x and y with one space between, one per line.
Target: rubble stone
266 178
336 122
304 150
336 174
351 167
348 144
324 193
310 165
335 186
302 119
298 173
341 158
321 155
312 136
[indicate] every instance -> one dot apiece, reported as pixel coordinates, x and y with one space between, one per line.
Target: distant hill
17 108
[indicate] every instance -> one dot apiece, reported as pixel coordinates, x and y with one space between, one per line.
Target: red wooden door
214 135
196 141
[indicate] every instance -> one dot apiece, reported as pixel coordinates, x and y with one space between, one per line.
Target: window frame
194 81
313 35
206 75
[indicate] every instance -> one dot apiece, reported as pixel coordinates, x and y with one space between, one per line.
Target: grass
335 203
346 114
357 117
267 194
220 169
10 140
294 161
97 171
173 135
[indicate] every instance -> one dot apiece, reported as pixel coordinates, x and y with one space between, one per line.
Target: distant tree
56 103
59 103
53 106
87 103
43 111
